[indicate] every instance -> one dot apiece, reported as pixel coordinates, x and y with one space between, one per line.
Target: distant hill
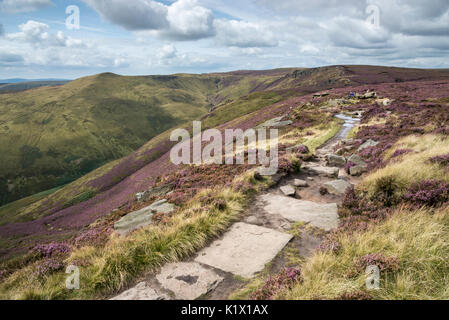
19 80
22 86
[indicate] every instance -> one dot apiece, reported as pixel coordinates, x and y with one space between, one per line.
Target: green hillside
51 136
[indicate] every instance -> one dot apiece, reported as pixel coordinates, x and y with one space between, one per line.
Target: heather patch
355 295
400 152
428 192
384 263
51 250
285 280
442 160
47 267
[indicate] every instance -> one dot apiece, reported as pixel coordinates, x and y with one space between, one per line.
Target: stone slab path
320 215
246 248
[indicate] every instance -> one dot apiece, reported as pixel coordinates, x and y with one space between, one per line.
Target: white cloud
182 20
37 33
16 6
132 15
244 34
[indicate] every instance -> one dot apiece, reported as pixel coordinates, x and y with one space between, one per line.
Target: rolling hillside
81 215
53 135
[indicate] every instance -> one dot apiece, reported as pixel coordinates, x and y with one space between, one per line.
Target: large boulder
369 143
335 160
141 218
337 187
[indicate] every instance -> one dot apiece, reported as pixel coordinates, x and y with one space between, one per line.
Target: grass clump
412 247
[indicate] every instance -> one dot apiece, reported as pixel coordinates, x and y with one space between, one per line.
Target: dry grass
415 166
419 239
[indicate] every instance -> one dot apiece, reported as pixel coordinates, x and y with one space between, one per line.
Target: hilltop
407 114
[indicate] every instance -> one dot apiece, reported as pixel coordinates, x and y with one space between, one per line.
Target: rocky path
245 250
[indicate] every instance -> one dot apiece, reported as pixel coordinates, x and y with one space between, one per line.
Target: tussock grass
419 239
322 134
105 271
412 167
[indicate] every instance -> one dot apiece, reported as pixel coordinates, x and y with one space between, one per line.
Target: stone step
142 291
323 216
188 280
245 249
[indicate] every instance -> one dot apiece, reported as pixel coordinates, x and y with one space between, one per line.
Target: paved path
248 246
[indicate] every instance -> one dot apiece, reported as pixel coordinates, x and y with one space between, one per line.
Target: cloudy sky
161 37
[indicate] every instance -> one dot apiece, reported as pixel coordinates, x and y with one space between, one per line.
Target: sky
43 39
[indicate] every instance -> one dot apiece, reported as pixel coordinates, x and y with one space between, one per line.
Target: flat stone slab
142 291
245 249
288 190
323 216
188 280
337 187
275 123
300 183
142 217
330 172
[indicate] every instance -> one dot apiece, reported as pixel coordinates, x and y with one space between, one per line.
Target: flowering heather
51 249
401 152
48 267
428 192
384 263
442 160
286 279
329 245
93 237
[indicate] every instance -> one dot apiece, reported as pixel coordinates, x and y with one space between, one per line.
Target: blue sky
162 37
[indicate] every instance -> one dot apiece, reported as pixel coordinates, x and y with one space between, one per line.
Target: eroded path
248 246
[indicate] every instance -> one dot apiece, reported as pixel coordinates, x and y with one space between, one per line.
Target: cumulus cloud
182 20
135 15
244 34
37 33
16 6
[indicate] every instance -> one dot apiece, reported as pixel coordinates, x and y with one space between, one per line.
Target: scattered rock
320 215
275 123
300 183
335 160
298 194
367 95
321 94
337 187
367 144
253 220
288 190
330 172
310 179
142 217
154 192
245 249
188 280
357 160
141 291
357 170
